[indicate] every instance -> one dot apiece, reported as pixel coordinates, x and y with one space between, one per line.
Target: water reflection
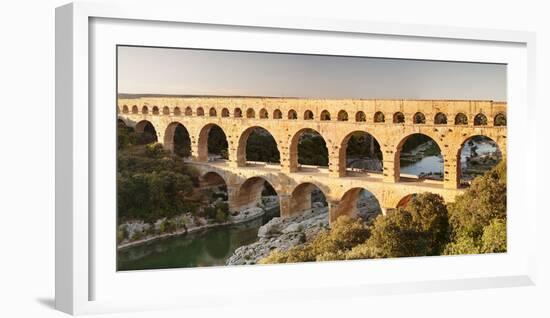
211 247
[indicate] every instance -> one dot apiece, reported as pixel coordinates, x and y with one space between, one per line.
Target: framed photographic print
238 155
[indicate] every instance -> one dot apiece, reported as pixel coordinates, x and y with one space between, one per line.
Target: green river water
210 247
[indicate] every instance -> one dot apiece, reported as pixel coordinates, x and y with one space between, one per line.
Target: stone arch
293 149
147 130
145 110
325 115
155 110
225 112
482 159
200 111
188 111
374 149
166 110
250 113
342 115
135 109
308 115
243 142
404 201
398 118
461 119
419 118
379 117
125 109
203 141
360 116
249 193
500 119
416 169
177 111
480 120
212 178
177 139
440 119
277 114
301 197
292 114
357 202
212 112
263 113
237 113
214 181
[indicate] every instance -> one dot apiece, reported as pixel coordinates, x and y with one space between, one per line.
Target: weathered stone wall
199 114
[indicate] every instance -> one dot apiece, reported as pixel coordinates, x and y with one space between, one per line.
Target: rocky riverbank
283 234
140 232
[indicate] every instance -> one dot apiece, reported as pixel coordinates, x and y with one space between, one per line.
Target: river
211 247
214 246
433 165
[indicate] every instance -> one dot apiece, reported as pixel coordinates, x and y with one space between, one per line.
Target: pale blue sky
145 70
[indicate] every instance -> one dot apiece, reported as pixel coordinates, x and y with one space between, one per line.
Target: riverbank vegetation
155 190
474 223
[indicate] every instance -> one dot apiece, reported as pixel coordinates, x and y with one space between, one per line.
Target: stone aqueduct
450 123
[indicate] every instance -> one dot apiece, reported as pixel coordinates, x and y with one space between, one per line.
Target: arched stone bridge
450 123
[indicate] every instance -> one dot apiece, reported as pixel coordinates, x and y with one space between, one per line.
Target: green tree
421 228
494 237
151 183
261 146
217 142
312 150
481 205
429 213
362 145
393 235
182 142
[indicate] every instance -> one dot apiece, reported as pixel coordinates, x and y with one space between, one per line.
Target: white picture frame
78 171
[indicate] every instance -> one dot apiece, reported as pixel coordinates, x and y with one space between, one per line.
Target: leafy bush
312 150
478 217
328 245
494 237
475 223
152 183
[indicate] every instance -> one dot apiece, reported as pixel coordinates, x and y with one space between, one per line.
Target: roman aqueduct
450 123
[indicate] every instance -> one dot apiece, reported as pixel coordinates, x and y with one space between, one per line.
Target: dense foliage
362 145
478 217
151 183
475 223
261 146
182 142
312 150
217 142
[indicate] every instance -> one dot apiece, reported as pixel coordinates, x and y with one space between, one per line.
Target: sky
144 70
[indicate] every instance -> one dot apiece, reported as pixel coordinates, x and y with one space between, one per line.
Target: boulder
271 228
294 227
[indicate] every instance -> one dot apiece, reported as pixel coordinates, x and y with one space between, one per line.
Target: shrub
394 235
331 244
478 217
494 237
155 150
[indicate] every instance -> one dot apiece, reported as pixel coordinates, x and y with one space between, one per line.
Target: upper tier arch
285 117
